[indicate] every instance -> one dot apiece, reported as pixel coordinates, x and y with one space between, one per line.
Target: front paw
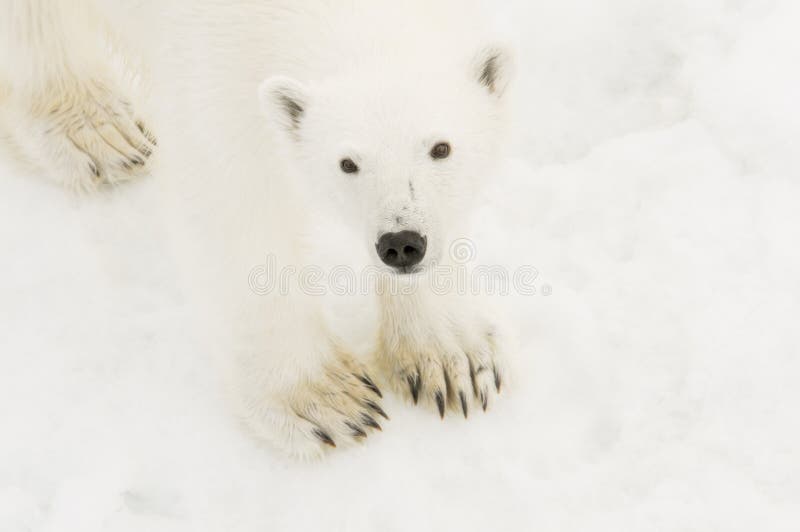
337 406
449 368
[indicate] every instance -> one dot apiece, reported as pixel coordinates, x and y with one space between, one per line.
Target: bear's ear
493 68
284 100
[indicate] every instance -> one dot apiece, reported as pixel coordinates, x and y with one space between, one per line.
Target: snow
654 187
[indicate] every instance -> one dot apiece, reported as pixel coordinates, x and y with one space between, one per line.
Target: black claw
484 400
370 421
94 169
369 384
323 437
147 133
137 161
440 403
377 409
358 432
448 386
472 379
463 403
497 381
414 384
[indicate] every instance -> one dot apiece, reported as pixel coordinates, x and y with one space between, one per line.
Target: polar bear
281 125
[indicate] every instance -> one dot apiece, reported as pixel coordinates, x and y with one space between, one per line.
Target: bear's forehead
391 106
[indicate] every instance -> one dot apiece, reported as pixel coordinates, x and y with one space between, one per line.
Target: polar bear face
398 153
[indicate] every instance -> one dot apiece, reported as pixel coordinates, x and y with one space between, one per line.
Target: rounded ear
493 68
284 100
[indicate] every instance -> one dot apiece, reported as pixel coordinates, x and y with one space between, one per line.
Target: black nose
401 250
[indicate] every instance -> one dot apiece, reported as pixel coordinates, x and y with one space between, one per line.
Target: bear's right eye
348 166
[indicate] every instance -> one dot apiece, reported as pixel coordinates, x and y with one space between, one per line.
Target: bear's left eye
348 166
440 151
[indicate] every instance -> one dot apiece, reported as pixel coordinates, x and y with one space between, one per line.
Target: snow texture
655 188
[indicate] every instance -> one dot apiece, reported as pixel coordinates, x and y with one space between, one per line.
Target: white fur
64 102
378 81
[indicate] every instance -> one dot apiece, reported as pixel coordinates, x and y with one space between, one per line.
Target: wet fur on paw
339 407
88 134
450 367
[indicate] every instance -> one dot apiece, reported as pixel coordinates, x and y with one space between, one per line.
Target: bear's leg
64 105
295 387
445 351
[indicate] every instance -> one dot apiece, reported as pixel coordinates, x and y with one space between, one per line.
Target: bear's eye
348 166
440 151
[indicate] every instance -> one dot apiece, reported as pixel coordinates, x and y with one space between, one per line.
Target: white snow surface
655 186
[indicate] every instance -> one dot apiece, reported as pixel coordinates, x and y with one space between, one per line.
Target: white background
655 187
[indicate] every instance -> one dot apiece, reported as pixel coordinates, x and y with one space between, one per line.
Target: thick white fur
378 81
61 93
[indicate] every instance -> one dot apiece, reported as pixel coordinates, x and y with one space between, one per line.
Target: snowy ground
656 190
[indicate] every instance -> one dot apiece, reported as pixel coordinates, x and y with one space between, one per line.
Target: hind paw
89 135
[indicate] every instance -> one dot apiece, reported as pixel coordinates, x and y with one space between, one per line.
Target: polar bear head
397 151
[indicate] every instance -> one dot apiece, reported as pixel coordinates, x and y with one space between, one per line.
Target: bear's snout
401 250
